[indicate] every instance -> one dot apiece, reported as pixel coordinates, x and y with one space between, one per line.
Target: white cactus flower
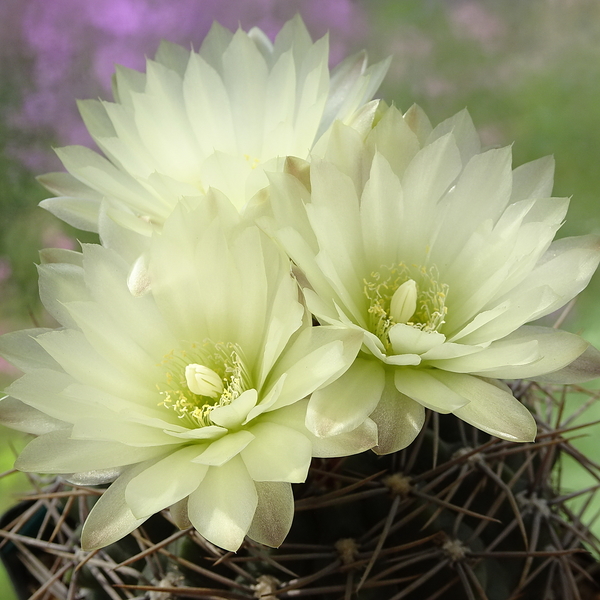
220 118
192 396
439 253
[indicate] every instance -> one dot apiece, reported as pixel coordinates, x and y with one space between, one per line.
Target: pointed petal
277 453
424 386
491 407
406 339
584 368
80 213
316 357
179 514
399 419
274 513
54 452
554 350
234 414
364 437
21 349
19 416
223 506
110 519
225 448
347 402
165 482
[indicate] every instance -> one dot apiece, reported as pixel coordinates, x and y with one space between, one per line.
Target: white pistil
404 302
203 381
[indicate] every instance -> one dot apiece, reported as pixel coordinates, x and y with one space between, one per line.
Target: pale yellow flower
438 253
191 396
220 117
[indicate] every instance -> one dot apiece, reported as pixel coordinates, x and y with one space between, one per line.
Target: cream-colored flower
192 396
438 253
217 118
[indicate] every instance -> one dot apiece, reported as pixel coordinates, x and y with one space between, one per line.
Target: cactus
458 514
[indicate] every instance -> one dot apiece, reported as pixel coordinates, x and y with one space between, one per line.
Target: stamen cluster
224 364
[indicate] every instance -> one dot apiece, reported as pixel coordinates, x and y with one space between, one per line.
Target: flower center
400 294
201 378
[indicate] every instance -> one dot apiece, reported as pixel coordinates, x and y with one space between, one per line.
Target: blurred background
529 73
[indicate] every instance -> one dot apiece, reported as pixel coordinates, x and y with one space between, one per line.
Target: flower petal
165 482
274 513
223 506
179 514
277 453
584 368
317 357
399 419
491 407
225 448
406 339
554 350
17 415
111 519
55 452
424 386
363 437
233 415
347 402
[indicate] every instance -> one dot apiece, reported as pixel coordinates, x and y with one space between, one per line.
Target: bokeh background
529 72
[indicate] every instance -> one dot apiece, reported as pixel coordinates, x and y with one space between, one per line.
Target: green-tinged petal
566 268
55 452
223 506
17 415
584 368
109 340
179 514
277 453
60 283
98 477
497 356
234 414
533 179
364 437
392 132
462 128
381 210
317 357
120 429
78 358
554 350
60 255
267 401
224 449
406 339
491 407
347 402
111 519
165 482
202 433
81 213
64 184
399 419
21 349
424 386
274 513
431 172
